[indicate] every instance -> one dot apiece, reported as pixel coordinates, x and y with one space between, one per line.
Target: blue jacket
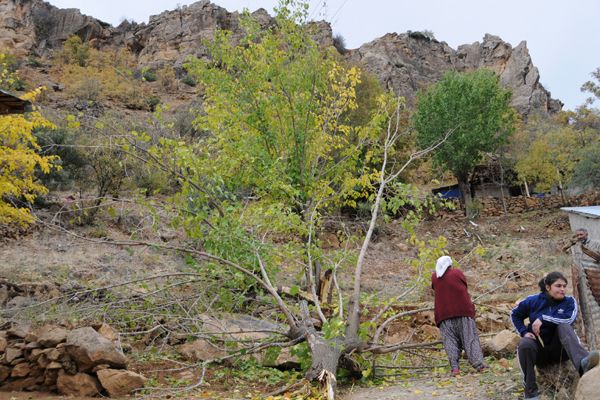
550 312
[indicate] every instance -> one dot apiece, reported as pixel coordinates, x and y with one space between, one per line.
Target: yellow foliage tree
19 159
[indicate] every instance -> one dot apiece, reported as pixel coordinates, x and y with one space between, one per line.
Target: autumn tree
476 109
19 160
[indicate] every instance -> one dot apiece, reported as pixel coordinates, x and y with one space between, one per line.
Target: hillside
250 214
518 249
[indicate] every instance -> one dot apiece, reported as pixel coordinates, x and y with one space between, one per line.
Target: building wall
581 221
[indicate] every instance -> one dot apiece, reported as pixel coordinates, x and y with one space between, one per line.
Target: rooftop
591 211
10 104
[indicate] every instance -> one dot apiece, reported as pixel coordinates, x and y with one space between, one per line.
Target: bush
75 51
339 43
586 173
188 80
61 142
148 75
167 78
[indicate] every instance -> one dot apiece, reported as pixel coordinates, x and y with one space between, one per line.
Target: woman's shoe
455 372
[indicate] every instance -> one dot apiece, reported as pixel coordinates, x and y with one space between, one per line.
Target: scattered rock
88 348
19 329
50 336
120 382
80 384
200 350
504 343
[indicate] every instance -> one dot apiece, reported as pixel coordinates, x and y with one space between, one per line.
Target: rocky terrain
403 62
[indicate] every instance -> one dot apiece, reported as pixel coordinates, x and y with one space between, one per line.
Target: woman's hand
529 335
535 327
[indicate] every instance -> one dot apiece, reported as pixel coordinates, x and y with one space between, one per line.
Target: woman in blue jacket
549 336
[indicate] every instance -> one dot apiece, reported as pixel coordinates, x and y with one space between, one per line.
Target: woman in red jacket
455 315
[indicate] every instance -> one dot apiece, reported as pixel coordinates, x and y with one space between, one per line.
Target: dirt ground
518 249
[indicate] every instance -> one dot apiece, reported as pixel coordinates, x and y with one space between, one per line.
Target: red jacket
452 297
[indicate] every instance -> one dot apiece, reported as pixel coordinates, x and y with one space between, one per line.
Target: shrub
586 173
148 75
339 43
188 80
75 51
167 78
61 142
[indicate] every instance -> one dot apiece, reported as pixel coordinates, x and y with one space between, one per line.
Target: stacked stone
81 362
492 206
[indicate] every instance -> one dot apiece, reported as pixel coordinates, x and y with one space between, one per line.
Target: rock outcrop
409 62
403 62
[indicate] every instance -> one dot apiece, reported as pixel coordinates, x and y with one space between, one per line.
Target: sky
563 37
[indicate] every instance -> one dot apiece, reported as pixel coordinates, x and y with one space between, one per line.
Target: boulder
108 332
88 348
504 343
50 336
200 350
19 330
120 382
430 331
589 385
80 384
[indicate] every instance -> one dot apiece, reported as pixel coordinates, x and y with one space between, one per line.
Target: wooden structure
10 104
586 270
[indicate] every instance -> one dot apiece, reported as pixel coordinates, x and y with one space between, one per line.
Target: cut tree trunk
465 197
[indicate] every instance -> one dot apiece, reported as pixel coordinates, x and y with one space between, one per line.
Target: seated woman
549 336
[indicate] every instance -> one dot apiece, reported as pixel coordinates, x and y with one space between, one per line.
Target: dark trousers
565 345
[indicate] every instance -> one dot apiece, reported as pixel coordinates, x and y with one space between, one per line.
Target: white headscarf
442 265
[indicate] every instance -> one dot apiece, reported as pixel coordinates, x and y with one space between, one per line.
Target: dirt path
491 385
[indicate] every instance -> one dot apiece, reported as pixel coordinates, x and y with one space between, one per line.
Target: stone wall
492 206
79 362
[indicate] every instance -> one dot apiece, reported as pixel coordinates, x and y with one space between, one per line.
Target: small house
585 217
10 104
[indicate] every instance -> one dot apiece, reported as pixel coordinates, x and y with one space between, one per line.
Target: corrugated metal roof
591 211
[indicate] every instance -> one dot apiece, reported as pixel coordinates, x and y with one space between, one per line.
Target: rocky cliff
403 62
411 61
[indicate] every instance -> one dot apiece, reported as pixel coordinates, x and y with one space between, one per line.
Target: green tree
279 155
592 86
586 173
476 110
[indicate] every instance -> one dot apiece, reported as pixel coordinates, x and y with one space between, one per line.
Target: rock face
409 62
403 62
28 25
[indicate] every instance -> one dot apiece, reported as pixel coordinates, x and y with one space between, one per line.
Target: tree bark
465 196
